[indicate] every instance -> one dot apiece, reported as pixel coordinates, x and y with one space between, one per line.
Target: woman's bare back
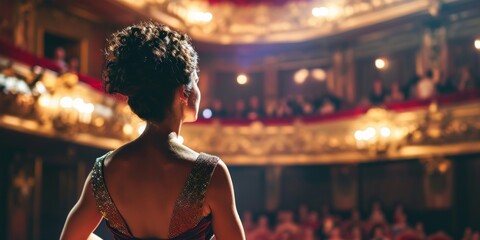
145 183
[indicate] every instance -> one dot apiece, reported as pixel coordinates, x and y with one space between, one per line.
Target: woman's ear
182 94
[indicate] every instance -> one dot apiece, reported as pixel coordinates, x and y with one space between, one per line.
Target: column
270 84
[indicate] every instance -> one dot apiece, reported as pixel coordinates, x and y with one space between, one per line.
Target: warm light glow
78 103
127 129
329 12
300 76
44 101
66 102
477 44
370 133
141 127
320 11
199 16
319 74
380 63
443 167
207 113
242 79
385 132
359 135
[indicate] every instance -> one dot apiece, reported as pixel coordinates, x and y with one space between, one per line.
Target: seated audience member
467 234
60 59
379 233
475 236
74 65
335 234
262 231
303 214
466 81
355 220
400 226
255 110
308 234
445 86
356 234
327 107
240 109
426 86
440 235
396 94
218 111
377 217
378 94
287 226
313 222
410 89
282 109
420 231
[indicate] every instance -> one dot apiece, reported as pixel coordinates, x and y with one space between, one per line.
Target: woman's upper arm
221 199
84 216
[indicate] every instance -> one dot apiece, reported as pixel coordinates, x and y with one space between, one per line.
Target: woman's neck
161 133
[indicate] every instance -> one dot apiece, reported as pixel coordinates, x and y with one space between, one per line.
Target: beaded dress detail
187 220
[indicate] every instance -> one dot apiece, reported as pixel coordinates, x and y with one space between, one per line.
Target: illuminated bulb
385 132
66 102
380 63
300 76
141 127
127 129
207 113
319 74
44 101
359 135
87 108
78 104
242 79
369 133
477 44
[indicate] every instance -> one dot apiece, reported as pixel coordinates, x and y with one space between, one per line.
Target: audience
308 225
378 94
426 86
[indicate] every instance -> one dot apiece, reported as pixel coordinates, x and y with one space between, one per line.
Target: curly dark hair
148 62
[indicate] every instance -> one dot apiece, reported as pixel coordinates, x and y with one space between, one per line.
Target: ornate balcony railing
38 101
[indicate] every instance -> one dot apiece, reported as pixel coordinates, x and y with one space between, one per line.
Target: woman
154 187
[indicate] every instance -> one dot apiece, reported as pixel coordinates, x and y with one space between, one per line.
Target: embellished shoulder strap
104 202
188 211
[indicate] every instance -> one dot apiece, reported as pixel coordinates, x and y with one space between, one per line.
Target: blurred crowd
311 225
418 87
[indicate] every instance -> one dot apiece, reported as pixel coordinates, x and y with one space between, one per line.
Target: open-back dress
187 221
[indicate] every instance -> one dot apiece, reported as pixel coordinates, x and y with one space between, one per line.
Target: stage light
380 63
242 79
477 43
300 76
318 74
207 113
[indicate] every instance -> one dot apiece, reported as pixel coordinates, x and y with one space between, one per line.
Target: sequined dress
187 221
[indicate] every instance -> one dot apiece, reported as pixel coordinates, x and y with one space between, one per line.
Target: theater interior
338 119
